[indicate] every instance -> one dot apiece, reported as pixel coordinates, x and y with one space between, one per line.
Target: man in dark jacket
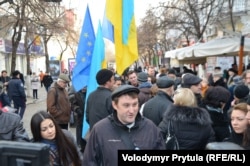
12 127
155 108
47 81
144 87
4 78
124 129
99 103
77 100
16 93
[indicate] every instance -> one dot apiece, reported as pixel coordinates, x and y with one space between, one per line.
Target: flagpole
241 53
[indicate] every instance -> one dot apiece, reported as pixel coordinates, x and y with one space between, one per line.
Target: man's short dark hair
4 71
217 68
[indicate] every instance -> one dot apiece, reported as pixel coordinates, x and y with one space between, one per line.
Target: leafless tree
189 17
147 37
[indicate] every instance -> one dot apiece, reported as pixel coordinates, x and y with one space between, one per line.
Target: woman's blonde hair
184 97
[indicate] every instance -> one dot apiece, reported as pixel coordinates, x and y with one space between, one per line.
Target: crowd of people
134 111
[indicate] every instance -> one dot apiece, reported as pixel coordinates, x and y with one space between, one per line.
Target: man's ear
114 105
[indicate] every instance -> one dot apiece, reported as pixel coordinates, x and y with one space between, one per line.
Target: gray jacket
12 127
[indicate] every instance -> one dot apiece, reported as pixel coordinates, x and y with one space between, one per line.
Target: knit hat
189 79
124 89
103 76
164 82
142 77
64 77
241 91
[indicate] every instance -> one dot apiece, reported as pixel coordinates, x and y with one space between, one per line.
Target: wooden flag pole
241 53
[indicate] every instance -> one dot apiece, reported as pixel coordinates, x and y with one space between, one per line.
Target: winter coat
220 123
104 141
58 104
12 127
35 82
145 93
47 80
16 88
220 82
4 99
192 127
155 108
99 105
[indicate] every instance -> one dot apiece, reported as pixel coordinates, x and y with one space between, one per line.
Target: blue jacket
16 88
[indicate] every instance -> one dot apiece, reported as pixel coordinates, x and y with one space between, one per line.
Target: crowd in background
131 111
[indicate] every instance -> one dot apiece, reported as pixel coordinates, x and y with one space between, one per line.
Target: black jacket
99 105
16 88
104 141
155 108
220 123
192 127
47 80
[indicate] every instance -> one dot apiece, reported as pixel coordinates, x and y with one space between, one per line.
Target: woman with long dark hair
63 149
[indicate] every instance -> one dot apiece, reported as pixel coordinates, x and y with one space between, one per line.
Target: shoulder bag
171 140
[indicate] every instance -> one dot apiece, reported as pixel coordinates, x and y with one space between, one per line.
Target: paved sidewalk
34 105
42 95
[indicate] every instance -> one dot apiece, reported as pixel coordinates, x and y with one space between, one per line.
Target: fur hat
241 91
103 76
142 77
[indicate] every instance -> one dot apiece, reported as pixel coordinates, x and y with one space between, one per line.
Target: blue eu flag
84 54
97 60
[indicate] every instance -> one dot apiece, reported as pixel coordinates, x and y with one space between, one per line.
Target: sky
97 11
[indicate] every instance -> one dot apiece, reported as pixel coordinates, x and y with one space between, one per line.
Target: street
32 106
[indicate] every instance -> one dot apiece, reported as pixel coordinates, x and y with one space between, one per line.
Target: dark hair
4 71
215 96
217 68
153 79
130 72
131 94
66 149
246 137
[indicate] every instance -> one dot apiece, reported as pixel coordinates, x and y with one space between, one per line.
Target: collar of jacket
161 93
57 86
103 88
219 110
115 121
